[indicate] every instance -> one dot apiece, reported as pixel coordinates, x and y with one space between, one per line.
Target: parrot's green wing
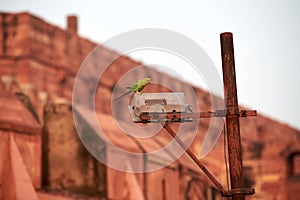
137 87
134 86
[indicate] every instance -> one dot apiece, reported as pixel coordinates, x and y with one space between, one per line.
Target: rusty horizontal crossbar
245 191
209 114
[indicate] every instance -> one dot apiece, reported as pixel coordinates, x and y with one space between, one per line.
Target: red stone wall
41 60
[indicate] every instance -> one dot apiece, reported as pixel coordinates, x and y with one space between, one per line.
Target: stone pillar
66 164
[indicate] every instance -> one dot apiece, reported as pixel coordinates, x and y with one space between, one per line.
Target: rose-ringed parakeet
137 87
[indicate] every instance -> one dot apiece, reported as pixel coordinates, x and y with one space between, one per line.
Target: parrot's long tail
122 96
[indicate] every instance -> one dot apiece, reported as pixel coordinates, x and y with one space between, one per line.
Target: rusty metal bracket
204 169
198 162
245 191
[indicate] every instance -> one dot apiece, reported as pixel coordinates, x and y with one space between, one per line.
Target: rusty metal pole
232 115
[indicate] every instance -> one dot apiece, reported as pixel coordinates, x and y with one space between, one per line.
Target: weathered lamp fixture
149 107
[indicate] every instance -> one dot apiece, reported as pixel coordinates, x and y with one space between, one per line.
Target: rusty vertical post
232 115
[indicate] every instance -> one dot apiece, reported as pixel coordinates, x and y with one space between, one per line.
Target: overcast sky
266 38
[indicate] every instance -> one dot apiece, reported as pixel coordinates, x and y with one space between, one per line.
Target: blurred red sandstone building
42 157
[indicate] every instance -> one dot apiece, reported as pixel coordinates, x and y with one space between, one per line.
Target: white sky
266 38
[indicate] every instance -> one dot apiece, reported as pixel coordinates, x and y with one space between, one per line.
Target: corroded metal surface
232 117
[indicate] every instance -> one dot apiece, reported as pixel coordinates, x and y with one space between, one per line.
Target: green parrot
137 87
